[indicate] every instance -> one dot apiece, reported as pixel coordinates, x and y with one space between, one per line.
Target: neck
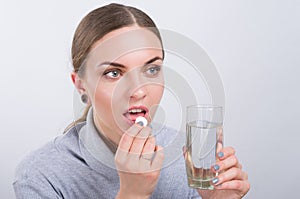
109 137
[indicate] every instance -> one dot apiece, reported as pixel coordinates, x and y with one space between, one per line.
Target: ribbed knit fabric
79 164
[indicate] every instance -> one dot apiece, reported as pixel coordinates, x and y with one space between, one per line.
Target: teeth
136 111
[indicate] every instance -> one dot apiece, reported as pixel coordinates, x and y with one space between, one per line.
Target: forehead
122 42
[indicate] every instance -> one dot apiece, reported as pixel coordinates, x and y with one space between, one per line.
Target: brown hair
98 23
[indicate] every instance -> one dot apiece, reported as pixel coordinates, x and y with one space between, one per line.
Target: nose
139 93
138 88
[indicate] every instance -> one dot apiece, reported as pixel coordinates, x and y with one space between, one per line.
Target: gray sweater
80 164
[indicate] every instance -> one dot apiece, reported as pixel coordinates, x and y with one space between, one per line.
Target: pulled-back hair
100 22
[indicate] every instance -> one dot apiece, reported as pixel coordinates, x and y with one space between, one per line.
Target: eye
153 70
112 74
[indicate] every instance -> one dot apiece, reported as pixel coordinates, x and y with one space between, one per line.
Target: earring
84 98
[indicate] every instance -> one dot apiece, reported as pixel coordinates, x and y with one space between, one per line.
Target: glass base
200 183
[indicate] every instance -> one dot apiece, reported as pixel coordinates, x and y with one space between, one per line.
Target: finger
128 137
148 153
124 146
240 166
140 140
225 153
226 164
149 146
158 158
231 174
242 187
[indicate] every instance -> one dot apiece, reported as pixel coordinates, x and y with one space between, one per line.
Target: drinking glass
204 133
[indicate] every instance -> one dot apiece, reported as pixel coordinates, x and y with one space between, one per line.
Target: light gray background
255 45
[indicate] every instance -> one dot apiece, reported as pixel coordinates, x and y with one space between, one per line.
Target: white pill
142 120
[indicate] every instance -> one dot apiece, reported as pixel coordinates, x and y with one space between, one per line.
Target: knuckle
240 166
222 165
236 172
222 177
234 160
248 186
245 176
231 149
238 185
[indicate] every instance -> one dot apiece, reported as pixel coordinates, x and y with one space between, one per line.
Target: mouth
135 111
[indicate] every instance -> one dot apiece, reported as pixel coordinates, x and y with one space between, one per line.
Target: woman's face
124 79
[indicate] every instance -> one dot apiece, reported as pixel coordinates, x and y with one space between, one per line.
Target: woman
117 55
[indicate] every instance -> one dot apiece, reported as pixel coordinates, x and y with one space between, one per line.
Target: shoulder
50 157
31 176
35 161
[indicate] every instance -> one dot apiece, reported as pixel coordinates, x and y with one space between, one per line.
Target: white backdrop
255 45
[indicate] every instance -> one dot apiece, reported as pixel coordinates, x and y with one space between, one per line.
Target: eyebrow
153 60
123 66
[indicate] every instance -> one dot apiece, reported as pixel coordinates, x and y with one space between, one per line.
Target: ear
78 83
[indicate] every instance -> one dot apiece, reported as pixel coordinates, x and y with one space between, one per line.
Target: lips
135 111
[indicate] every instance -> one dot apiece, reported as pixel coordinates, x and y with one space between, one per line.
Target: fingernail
221 154
140 123
216 167
215 180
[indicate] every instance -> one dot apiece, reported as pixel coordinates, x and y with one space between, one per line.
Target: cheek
107 101
156 92
161 91
102 100
156 95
